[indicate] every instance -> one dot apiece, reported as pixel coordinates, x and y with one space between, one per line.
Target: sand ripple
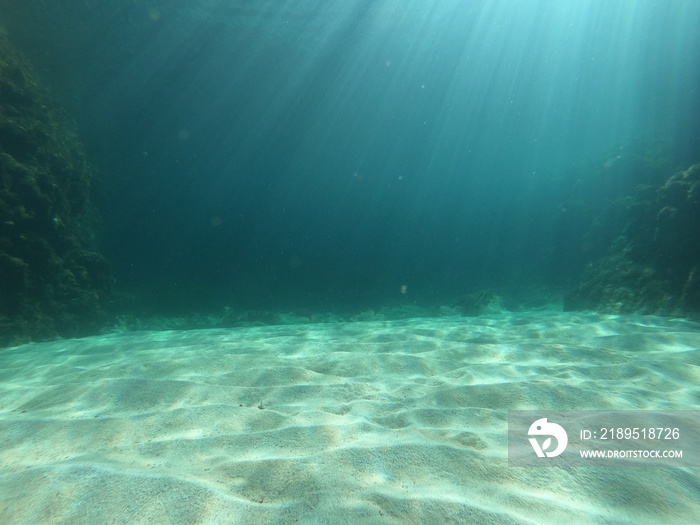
391 422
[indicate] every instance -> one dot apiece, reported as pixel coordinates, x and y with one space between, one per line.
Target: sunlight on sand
381 422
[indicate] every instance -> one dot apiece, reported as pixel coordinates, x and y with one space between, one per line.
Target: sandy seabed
396 422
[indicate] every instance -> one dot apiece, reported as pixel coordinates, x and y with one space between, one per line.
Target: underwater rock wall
653 266
52 280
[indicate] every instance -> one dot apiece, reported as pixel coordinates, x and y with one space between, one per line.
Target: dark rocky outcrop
52 280
653 265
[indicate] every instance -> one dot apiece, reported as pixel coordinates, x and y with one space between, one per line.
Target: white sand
392 422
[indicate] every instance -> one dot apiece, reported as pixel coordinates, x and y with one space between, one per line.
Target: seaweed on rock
653 265
52 280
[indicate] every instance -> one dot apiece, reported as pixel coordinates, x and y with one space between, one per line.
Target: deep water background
323 154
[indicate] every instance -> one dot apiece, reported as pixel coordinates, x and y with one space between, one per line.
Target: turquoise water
322 154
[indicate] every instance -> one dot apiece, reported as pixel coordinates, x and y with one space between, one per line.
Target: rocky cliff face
52 280
653 265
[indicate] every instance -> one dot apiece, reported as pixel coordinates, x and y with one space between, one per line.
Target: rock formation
52 280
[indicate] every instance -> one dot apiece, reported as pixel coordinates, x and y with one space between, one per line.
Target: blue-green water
327 153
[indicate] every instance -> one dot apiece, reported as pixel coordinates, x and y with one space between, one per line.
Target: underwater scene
350 262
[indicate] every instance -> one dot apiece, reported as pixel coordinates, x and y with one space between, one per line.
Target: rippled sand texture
391 422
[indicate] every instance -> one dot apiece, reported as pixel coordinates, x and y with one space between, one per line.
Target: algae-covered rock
52 279
653 265
479 303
